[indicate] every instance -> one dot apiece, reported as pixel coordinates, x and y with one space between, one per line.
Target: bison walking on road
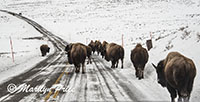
92 45
103 50
77 53
177 73
139 58
89 53
98 46
44 49
113 53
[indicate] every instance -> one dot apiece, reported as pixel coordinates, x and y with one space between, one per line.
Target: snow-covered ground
174 25
26 43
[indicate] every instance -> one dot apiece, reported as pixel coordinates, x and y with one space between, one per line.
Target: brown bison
177 73
92 45
44 49
103 50
113 53
77 53
139 58
89 53
98 46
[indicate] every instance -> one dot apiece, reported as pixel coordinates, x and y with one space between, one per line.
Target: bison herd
176 72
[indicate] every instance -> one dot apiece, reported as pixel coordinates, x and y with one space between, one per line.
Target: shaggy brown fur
113 53
98 46
139 58
92 45
89 53
103 50
177 73
44 49
77 53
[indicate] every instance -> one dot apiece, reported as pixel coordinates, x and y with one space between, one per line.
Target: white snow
26 52
85 20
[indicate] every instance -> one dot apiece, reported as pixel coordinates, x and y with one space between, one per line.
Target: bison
103 50
44 49
113 53
98 46
139 58
177 73
92 45
77 53
89 53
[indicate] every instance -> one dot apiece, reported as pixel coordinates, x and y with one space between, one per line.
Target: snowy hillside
174 25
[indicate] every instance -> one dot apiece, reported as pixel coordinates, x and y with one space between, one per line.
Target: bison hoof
140 78
83 72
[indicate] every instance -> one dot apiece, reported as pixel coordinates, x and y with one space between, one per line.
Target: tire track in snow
121 91
121 81
110 91
135 88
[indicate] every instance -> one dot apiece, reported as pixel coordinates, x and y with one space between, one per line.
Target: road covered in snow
174 26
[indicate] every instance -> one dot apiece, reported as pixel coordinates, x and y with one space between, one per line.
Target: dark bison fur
44 49
177 73
77 54
139 58
92 45
98 46
113 53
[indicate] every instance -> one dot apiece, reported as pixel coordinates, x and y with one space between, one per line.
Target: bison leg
117 64
140 73
172 92
183 98
113 64
43 53
186 99
136 71
122 64
180 99
76 70
83 70
90 60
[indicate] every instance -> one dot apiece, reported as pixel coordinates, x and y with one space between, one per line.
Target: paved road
100 83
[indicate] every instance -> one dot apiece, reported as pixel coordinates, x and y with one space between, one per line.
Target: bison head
48 49
160 73
68 47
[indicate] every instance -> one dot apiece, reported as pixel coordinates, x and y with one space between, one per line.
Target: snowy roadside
26 42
